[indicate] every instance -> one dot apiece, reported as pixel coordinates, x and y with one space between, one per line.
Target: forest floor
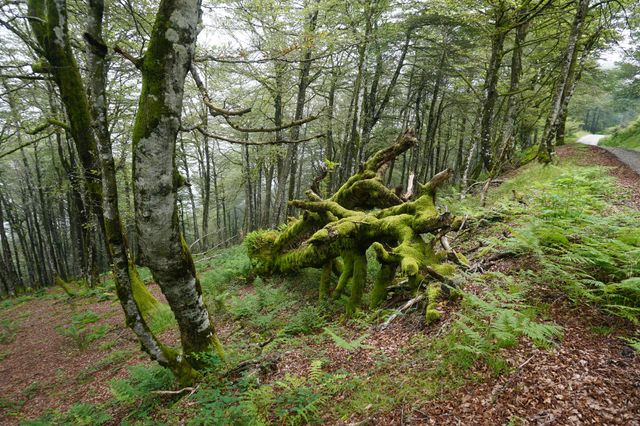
72 360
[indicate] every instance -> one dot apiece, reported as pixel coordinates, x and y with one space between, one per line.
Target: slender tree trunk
268 181
206 188
248 187
282 163
329 153
491 88
569 63
192 201
303 84
13 280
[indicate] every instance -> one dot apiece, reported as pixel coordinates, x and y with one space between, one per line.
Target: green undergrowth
292 400
79 414
570 221
566 226
626 137
281 315
82 331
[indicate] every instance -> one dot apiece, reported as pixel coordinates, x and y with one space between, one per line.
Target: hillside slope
627 137
542 330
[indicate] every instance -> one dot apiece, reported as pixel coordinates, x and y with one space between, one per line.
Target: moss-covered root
325 281
357 283
65 286
345 276
432 313
383 279
187 368
182 370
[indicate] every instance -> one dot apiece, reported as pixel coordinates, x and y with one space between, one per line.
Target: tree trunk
164 67
13 280
491 87
569 62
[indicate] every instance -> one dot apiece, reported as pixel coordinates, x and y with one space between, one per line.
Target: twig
399 311
189 389
217 245
464 221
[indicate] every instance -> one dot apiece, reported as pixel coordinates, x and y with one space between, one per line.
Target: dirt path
591 139
43 366
630 157
588 379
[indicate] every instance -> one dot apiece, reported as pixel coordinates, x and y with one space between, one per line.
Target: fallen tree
334 235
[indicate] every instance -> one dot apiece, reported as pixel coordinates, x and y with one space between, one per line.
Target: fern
634 343
346 345
584 246
494 321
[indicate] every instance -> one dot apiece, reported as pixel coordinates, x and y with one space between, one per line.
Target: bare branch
137 62
213 110
24 145
249 142
270 129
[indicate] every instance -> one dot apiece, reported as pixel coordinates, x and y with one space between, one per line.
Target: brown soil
43 369
587 379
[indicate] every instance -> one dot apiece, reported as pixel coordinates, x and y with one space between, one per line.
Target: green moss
357 283
527 155
432 313
64 286
345 277
146 301
184 373
462 258
383 279
369 216
446 269
325 280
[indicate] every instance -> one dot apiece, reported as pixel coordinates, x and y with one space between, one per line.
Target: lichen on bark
363 214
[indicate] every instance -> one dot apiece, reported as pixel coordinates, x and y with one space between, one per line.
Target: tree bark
303 83
569 62
491 86
164 67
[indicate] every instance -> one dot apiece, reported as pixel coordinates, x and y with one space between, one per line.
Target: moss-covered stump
334 235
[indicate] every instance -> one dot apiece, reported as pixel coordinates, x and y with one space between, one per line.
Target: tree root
363 213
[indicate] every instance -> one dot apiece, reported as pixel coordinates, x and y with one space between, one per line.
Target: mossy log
363 214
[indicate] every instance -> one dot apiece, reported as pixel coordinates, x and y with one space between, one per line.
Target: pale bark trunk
164 67
54 41
568 64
